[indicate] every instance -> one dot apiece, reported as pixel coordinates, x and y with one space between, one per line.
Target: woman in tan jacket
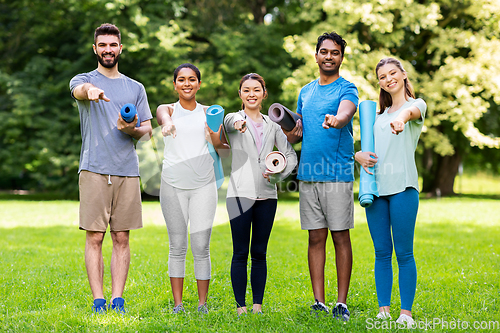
252 195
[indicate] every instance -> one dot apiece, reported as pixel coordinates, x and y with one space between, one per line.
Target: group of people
110 187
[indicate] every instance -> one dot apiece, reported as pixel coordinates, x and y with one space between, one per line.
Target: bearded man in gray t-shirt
109 166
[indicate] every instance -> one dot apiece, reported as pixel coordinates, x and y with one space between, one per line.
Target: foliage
45 43
448 48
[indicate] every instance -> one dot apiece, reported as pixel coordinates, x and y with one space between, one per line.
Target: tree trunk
259 10
443 176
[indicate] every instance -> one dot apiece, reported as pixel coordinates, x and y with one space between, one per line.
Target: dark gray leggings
256 216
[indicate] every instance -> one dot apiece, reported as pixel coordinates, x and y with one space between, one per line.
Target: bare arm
218 140
406 115
346 111
88 91
163 116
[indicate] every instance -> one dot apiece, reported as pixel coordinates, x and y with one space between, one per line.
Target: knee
200 250
179 251
120 239
240 256
383 253
178 242
258 255
405 257
94 239
317 238
341 238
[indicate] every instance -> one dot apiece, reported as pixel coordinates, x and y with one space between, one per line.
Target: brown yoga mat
282 116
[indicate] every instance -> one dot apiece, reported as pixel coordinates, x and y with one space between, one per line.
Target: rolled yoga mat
367 183
275 162
128 112
215 117
282 116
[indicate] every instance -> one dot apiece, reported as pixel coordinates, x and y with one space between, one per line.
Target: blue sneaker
340 312
118 305
99 306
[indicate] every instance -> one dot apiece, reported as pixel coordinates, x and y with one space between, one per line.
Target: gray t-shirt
105 149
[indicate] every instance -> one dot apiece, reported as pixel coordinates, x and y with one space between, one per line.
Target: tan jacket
248 164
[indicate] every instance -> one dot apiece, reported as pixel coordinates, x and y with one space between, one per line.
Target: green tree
44 44
448 48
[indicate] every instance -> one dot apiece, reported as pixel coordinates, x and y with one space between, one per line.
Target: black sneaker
340 312
319 307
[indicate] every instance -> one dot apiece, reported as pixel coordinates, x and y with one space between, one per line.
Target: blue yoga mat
215 117
128 112
367 183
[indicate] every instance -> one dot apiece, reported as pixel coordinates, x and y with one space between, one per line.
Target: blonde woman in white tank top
188 191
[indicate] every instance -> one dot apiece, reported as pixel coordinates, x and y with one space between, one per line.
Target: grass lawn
43 283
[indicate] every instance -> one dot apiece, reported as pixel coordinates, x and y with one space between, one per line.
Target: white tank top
187 164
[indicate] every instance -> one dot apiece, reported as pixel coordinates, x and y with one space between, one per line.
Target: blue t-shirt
106 149
327 154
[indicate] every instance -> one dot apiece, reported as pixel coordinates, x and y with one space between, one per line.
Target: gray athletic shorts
326 205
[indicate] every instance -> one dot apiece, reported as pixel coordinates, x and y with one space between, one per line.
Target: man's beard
108 64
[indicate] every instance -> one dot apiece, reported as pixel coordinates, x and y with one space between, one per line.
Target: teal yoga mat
367 183
128 112
215 117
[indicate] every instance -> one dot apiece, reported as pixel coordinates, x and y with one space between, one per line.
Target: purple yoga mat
283 116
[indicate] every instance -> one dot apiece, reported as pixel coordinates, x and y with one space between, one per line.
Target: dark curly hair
107 29
333 36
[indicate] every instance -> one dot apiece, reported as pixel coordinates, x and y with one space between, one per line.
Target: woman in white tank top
188 190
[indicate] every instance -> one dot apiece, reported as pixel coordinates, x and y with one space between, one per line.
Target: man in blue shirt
326 169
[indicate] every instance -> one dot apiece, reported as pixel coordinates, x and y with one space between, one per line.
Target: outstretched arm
346 111
163 113
234 122
406 115
87 91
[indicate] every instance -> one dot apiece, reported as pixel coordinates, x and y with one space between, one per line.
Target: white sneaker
319 307
406 320
384 316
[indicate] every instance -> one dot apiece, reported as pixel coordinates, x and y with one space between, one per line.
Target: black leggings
244 213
